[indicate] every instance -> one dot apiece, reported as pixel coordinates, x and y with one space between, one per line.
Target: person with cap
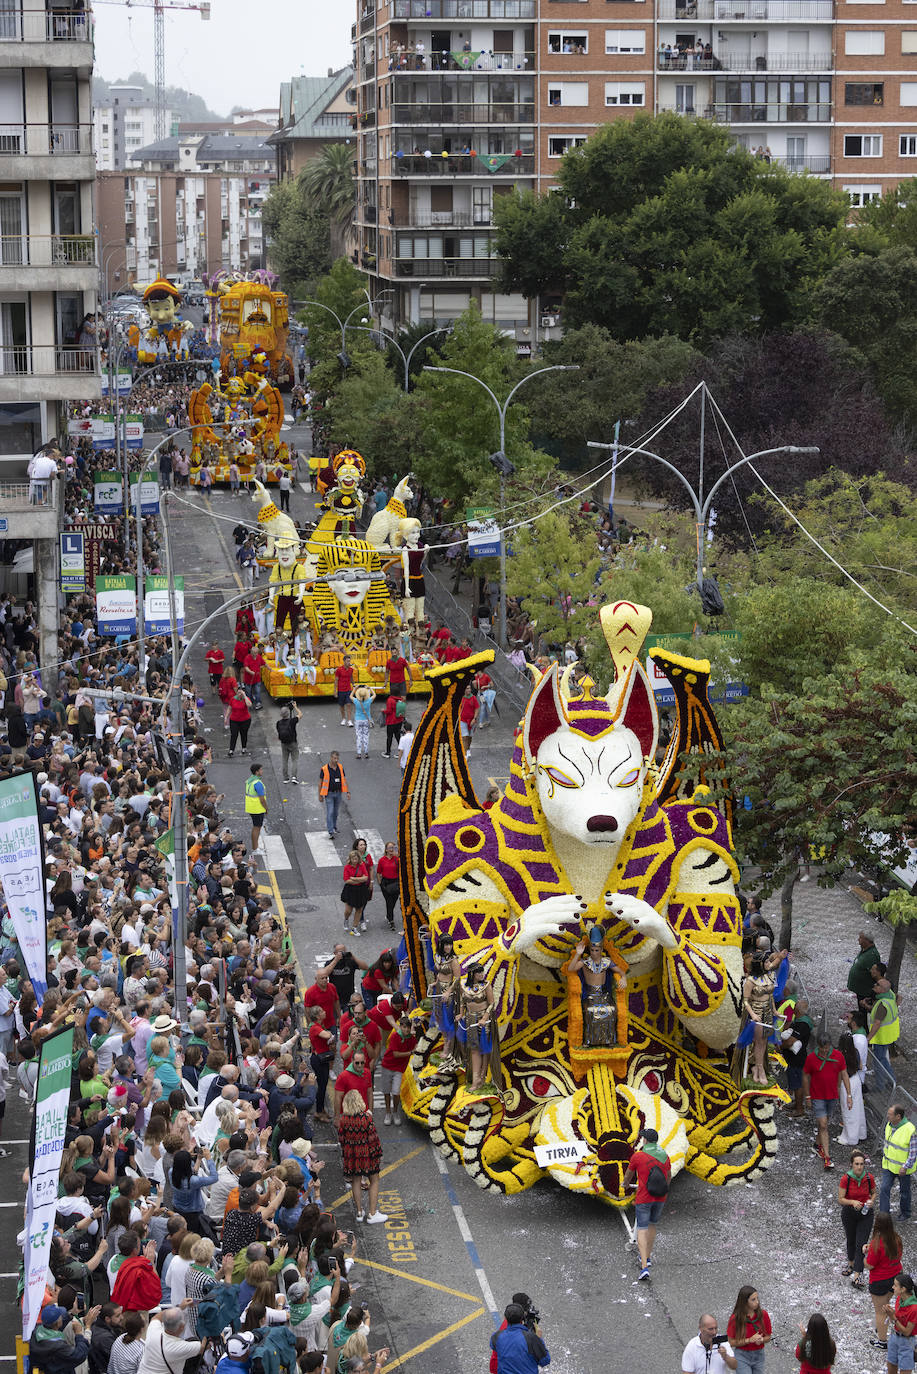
238 1354
284 1093
518 1349
58 1344
648 1159
255 805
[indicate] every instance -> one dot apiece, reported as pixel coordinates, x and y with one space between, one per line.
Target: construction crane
159 46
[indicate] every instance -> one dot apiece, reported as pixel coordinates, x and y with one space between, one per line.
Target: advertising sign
148 483
72 561
133 431
99 428
108 493
483 533
52 1095
156 608
116 605
123 382
664 692
21 870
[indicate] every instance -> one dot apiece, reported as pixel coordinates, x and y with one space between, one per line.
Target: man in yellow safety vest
884 1029
899 1159
255 805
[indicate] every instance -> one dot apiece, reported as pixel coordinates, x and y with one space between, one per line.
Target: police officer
255 805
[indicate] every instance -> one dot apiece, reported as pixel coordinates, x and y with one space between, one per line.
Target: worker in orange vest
331 788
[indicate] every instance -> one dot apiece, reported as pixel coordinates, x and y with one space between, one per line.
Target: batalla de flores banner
22 872
51 1100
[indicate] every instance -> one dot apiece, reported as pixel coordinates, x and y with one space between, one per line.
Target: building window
862 145
568 93
625 40
571 43
862 195
908 93
624 93
558 144
864 42
909 41
864 93
907 145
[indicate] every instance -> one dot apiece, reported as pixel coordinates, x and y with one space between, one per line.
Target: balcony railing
446 219
725 61
455 112
746 11
47 250
464 62
26 495
46 360
464 165
819 163
367 21
464 9
445 267
332 123
770 113
41 26
62 140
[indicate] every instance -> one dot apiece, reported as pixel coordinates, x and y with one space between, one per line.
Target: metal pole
141 636
700 491
179 812
614 469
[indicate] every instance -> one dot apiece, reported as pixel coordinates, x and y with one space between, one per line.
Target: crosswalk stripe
374 842
274 852
324 852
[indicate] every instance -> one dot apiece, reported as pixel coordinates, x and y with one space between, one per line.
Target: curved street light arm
749 457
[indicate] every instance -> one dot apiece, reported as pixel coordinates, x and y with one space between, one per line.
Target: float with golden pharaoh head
329 595
577 948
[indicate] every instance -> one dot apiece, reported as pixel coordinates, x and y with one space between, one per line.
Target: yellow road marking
415 1278
434 1340
389 1168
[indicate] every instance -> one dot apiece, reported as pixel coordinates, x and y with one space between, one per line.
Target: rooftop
303 102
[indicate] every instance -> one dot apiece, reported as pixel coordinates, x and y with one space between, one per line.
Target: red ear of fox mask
638 711
544 714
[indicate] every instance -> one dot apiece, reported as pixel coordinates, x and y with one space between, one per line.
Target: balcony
28 260
724 61
818 164
494 112
773 112
463 165
464 9
445 267
42 38
446 219
747 11
36 507
461 62
367 21
69 144
48 372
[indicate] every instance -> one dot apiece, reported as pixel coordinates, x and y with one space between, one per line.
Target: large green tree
370 412
660 225
328 183
299 240
553 573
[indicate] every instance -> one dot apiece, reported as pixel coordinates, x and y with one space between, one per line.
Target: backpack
657 1185
286 729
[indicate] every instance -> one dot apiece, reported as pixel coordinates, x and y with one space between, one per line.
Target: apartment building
123 124
48 260
461 101
185 205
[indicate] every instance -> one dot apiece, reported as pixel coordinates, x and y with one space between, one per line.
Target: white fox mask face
590 779
590 789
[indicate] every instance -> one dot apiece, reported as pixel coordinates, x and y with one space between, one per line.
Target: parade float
330 599
574 952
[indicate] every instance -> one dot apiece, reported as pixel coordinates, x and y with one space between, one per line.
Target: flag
166 846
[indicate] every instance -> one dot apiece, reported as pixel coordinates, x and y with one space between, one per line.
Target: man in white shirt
165 1351
703 1355
42 468
404 745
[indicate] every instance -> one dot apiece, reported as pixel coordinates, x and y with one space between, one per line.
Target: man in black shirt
342 973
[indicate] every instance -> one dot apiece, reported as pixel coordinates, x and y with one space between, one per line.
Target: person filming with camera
707 1353
517 1345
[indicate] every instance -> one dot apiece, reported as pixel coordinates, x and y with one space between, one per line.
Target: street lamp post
502 463
702 503
405 357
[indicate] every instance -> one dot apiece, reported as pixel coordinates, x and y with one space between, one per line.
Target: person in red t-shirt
387 869
856 1193
647 1206
816 1352
397 668
358 1077
749 1326
323 994
251 674
239 653
343 685
359 1033
468 718
398 1049
387 1012
820 1075
321 1047
215 661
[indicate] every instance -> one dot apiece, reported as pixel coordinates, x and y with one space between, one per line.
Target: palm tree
329 182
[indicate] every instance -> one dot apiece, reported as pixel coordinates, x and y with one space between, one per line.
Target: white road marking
374 842
324 852
465 1233
275 855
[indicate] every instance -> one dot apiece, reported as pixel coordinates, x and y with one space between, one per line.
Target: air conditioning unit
549 321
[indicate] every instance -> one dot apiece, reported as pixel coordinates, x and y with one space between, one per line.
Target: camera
532 1317
718 1340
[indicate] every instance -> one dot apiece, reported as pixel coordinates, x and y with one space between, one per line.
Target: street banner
123 383
148 484
156 608
108 493
483 533
22 873
51 1100
72 561
116 605
99 428
166 846
133 431
664 692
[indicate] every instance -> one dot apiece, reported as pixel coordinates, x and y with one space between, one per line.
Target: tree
553 572
802 388
828 773
899 910
891 220
370 412
662 226
328 183
299 241
340 292
871 302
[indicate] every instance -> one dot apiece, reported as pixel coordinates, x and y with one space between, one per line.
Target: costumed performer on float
597 976
761 991
478 1031
413 554
443 993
